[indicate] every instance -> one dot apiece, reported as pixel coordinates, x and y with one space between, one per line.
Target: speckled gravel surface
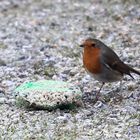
39 40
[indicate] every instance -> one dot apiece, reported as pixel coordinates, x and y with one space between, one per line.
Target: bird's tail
124 68
134 71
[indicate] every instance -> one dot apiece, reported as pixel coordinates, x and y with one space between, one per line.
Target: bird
103 64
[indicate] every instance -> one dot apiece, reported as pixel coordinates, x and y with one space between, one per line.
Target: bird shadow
112 96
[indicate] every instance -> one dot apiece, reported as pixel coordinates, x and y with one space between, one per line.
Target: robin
102 63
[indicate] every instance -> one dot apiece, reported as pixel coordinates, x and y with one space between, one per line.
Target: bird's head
91 43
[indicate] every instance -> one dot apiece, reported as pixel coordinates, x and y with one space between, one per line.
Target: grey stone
48 94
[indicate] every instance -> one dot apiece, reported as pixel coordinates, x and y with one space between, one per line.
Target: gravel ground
39 40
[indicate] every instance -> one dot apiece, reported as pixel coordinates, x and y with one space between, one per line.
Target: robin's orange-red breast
103 63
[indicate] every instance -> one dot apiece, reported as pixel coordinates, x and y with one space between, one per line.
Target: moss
49 71
22 103
49 85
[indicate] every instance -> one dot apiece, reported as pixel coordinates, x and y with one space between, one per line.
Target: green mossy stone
48 94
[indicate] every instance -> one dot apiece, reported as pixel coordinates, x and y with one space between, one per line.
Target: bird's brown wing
121 67
113 62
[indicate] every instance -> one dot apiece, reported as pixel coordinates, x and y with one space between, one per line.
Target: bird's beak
82 46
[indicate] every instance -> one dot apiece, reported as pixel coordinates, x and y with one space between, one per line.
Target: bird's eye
93 44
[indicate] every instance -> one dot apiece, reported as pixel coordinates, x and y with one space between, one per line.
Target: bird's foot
99 97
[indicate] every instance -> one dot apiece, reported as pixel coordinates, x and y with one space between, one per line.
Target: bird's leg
97 94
